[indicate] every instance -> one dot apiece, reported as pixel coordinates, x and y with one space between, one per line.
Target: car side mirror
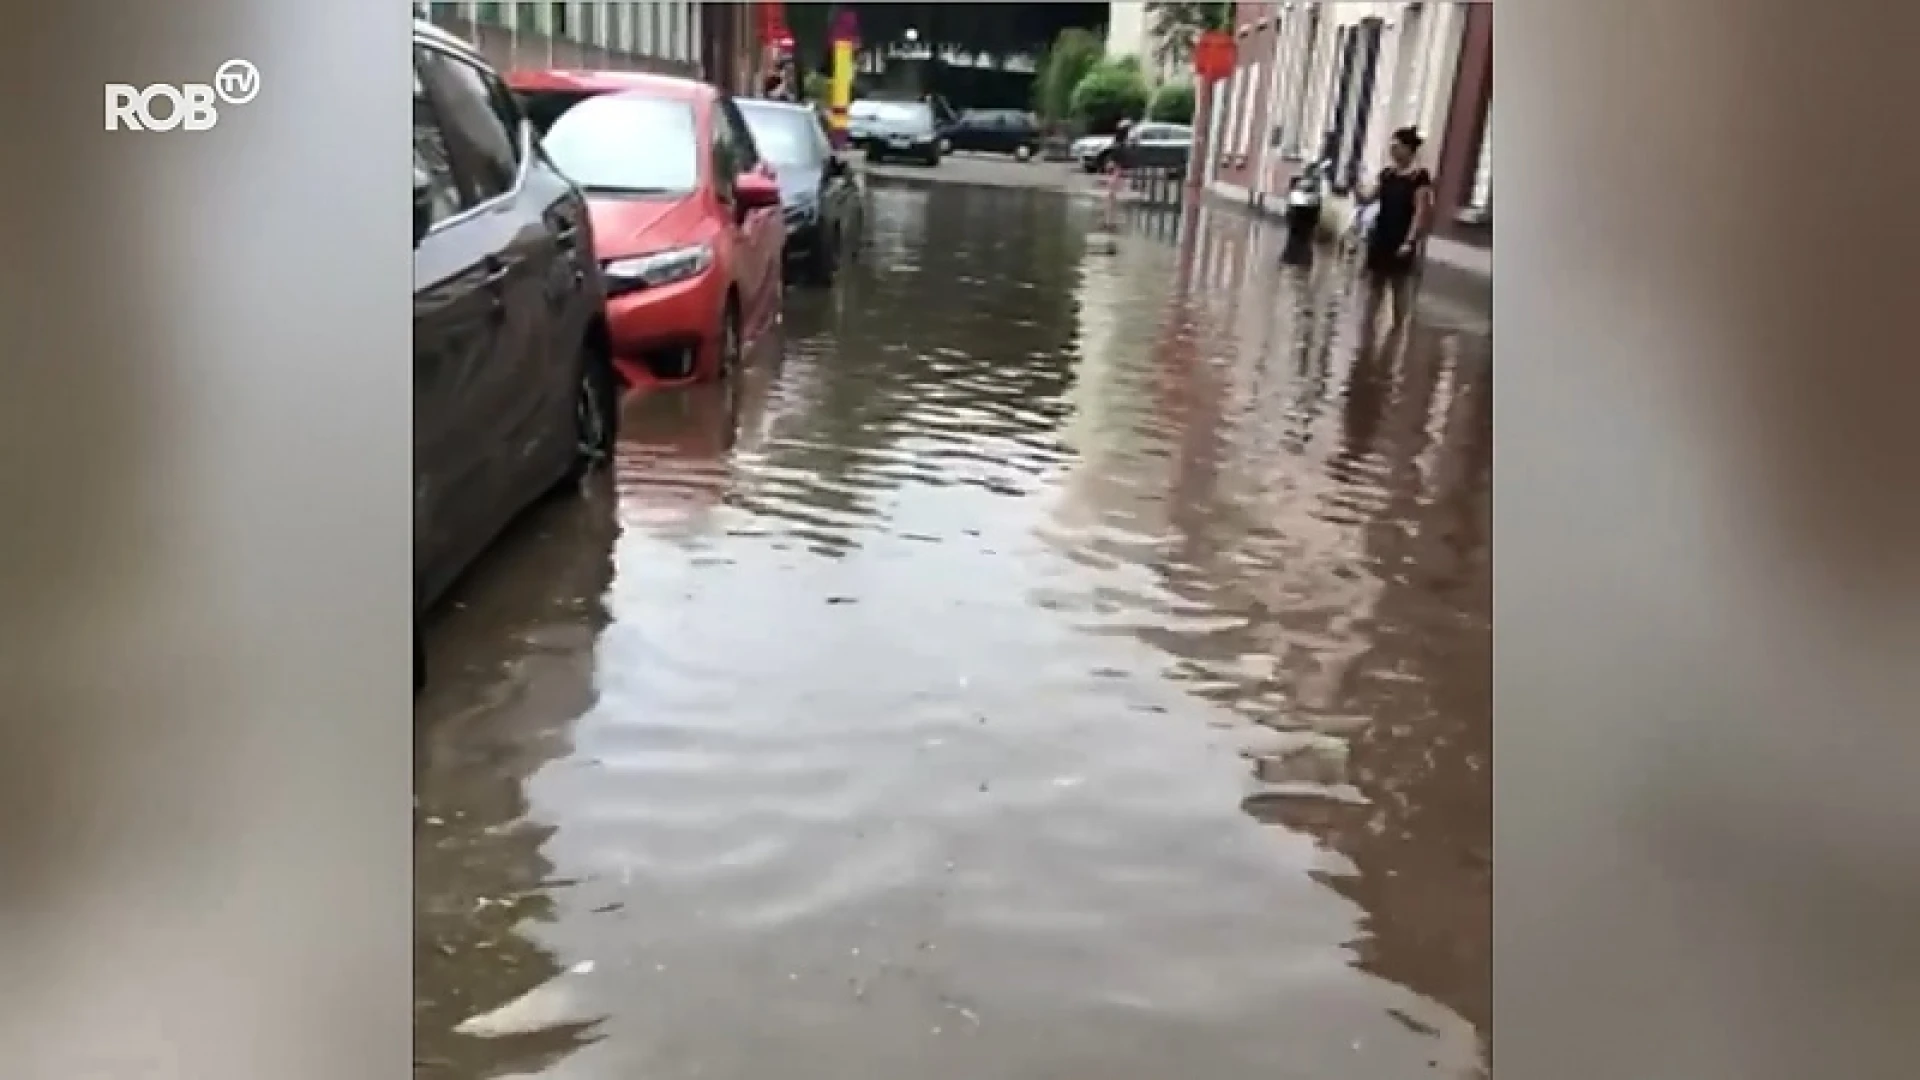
756 191
422 210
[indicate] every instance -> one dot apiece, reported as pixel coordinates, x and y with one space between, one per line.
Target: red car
685 216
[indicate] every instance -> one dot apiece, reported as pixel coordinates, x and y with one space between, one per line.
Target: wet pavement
1060 660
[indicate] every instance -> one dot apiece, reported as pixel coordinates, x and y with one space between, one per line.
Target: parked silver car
1091 151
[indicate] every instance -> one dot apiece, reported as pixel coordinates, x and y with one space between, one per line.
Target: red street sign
846 27
1213 56
773 18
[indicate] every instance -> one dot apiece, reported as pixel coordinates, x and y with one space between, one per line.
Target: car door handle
497 275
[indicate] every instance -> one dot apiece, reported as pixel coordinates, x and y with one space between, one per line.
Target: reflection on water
1057 662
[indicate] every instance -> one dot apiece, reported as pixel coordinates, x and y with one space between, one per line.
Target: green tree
1176 26
1112 91
1172 104
1074 53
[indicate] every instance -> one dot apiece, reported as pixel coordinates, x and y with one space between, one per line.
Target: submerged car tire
596 411
823 262
730 347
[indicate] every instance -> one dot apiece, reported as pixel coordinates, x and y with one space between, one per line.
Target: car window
485 153
512 119
911 116
543 107
627 144
432 167
746 153
784 135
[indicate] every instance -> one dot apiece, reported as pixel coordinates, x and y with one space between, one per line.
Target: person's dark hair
1408 137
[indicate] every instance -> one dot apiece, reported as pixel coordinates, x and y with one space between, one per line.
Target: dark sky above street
974 25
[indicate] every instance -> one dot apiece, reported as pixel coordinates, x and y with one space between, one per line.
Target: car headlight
657 268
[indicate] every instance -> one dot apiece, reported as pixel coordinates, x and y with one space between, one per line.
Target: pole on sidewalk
846 34
1202 142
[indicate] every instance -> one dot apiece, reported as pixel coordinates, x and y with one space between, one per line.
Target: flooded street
1056 662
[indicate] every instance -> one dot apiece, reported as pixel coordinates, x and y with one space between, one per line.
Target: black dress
1399 195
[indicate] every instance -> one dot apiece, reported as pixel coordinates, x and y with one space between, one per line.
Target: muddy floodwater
1061 659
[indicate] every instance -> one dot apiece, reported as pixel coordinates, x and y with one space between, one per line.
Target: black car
513 386
818 194
902 129
995 131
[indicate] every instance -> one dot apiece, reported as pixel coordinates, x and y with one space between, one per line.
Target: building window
1356 146
1248 107
1413 52
1307 55
1346 42
1276 100
1230 90
527 18
490 13
1480 197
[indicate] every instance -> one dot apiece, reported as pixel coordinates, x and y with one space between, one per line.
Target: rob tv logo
193 106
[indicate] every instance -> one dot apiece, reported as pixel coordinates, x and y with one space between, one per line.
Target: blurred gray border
205 559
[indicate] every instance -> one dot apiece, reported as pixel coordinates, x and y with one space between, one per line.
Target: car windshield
627 144
543 107
786 136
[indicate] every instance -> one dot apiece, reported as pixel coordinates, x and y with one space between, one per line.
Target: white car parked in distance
1090 150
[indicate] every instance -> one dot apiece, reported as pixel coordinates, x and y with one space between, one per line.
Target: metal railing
1155 187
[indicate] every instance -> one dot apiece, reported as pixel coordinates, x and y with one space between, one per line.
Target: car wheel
1022 153
596 411
824 260
730 341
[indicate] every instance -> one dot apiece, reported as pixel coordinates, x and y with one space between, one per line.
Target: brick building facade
1331 81
711 40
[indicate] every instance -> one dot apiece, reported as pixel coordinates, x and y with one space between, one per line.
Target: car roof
668 86
772 105
427 32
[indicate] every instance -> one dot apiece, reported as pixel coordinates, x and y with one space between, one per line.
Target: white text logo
193 106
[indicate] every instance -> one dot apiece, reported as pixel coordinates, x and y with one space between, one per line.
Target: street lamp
912 35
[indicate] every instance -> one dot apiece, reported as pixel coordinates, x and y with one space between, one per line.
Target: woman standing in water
1403 195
